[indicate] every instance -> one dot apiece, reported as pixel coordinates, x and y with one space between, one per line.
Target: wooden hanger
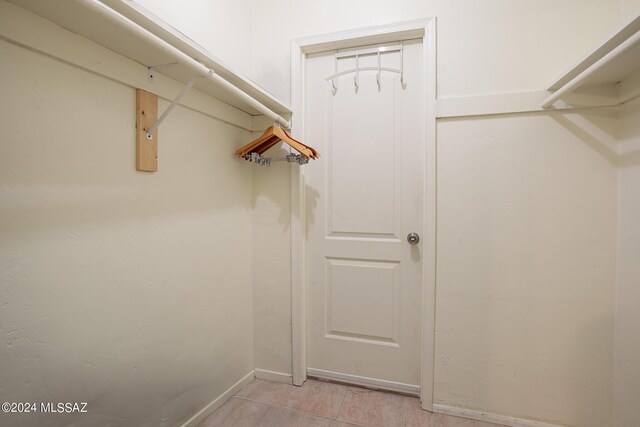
271 136
284 136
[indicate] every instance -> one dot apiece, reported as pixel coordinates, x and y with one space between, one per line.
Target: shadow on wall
272 191
629 159
630 156
311 195
592 126
589 128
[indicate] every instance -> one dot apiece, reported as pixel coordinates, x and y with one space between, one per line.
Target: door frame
424 29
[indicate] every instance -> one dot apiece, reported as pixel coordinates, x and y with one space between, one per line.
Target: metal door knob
413 238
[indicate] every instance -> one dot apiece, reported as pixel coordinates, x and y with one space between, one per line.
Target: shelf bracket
151 71
173 104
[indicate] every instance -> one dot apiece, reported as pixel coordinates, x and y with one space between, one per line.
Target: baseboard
489 417
365 381
280 377
218 401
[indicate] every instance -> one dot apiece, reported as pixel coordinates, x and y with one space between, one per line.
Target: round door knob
413 238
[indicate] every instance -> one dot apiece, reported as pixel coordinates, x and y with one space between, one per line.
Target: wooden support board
146 116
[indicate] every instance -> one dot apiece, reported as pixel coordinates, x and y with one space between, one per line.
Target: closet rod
195 66
581 78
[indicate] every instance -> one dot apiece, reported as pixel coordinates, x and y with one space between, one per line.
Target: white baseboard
365 381
280 377
218 401
489 417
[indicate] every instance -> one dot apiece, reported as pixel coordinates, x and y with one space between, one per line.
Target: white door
364 196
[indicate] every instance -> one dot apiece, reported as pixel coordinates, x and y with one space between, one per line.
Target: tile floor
323 404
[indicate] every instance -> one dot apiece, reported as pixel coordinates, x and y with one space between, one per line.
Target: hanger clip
258 159
297 158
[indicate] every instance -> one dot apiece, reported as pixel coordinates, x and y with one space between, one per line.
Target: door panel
360 202
363 280
352 316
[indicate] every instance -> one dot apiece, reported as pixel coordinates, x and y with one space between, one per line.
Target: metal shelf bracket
173 104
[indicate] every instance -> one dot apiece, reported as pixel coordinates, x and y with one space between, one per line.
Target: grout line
404 412
341 403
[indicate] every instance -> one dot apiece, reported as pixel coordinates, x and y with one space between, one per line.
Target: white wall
226 30
272 267
123 289
486 47
526 282
627 339
626 390
630 9
222 27
526 267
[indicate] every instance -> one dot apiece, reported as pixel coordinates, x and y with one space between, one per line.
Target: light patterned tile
267 392
372 408
415 416
474 423
315 397
341 424
238 412
441 420
283 417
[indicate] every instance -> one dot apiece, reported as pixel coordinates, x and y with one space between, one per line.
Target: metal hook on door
334 81
378 75
402 83
356 79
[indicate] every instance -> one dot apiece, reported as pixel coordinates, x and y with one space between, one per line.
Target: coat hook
356 79
402 83
378 75
334 80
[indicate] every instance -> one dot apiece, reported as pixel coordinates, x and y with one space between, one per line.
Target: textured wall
124 289
626 395
526 266
272 266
